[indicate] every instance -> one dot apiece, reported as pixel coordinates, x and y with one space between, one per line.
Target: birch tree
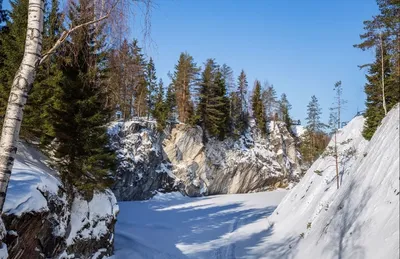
24 79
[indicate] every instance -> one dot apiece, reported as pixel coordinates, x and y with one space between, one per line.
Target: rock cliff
181 159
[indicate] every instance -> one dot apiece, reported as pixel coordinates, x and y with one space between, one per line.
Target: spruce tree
314 140
213 103
140 102
151 80
258 108
284 108
37 121
12 42
170 102
79 114
160 111
240 98
270 102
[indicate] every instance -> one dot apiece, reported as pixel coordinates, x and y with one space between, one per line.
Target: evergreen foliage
383 79
314 140
160 111
79 114
183 79
151 80
213 103
284 108
259 108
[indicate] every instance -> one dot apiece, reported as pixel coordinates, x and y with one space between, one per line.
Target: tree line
78 89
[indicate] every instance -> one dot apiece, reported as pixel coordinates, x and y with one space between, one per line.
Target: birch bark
20 88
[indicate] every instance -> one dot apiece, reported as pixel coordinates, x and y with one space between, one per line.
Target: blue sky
301 47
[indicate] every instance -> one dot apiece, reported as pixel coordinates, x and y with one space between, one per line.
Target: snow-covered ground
174 226
360 220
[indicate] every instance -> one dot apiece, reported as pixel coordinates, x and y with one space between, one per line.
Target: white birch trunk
20 88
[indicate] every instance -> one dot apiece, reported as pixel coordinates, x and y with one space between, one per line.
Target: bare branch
65 34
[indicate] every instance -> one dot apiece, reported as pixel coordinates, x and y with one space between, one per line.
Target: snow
89 220
361 219
298 130
30 176
175 226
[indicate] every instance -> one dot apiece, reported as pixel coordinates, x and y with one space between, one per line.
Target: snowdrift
361 219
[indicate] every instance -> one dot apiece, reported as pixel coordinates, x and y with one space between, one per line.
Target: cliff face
43 221
180 159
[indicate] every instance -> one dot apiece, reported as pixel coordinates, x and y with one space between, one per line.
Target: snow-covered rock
181 159
298 130
142 169
43 221
361 219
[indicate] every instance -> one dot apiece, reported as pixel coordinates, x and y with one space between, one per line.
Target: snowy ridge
360 220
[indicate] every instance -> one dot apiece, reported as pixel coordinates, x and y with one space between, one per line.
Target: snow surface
30 176
100 210
298 130
361 219
174 226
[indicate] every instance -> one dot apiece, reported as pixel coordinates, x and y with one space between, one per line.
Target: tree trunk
383 77
337 163
20 88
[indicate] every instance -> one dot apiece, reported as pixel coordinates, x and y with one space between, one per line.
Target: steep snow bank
43 221
361 219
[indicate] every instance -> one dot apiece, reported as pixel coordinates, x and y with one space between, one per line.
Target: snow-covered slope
43 221
361 219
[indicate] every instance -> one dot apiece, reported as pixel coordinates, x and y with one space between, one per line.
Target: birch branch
65 34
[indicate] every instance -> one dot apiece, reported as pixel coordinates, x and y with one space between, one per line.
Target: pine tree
183 79
382 34
258 108
374 112
151 80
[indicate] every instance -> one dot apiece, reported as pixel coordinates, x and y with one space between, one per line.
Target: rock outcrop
180 159
43 221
